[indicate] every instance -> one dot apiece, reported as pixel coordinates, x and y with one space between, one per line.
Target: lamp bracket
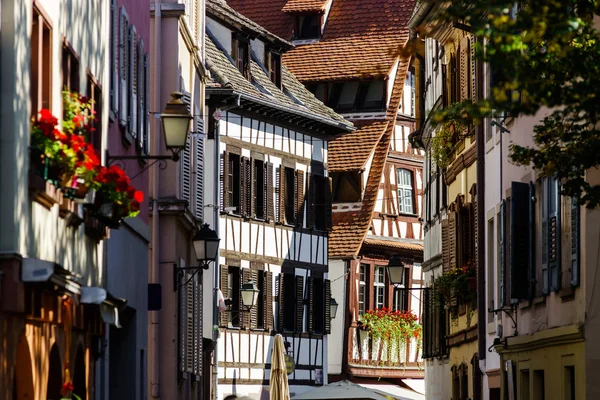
179 274
510 311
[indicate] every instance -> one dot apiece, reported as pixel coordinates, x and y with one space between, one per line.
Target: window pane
348 95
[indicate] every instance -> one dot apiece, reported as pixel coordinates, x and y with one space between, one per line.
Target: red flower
138 196
78 120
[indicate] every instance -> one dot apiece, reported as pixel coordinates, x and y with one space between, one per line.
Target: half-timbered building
348 54
274 216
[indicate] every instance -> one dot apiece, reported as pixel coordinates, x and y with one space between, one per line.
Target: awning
109 304
340 390
34 270
395 391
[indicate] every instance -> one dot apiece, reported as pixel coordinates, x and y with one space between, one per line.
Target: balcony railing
384 353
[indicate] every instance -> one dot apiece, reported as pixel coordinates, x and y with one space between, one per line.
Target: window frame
362 288
379 284
41 61
70 67
299 22
240 52
273 66
94 93
234 287
405 188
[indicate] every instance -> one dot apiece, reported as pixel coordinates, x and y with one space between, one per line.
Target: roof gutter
423 10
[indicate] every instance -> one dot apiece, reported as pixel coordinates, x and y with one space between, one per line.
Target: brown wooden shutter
280 279
224 180
269 205
254 310
281 195
247 199
328 306
269 301
224 318
445 93
310 211
299 198
299 303
473 63
328 220
452 243
311 303
465 68
475 232
445 246
253 193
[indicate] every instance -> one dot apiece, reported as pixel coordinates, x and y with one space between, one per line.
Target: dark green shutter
575 217
554 239
519 241
545 246
299 303
328 306
532 240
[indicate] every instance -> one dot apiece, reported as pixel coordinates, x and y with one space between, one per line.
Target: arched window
405 191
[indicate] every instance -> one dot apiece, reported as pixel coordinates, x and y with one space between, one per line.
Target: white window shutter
190 325
133 61
141 95
186 162
199 166
182 331
146 137
123 66
114 69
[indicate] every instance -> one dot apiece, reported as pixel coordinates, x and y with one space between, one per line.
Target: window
308 26
259 189
233 290
290 196
379 287
273 64
346 187
569 383
400 302
233 177
539 385
524 385
288 302
362 289
405 191
70 68
464 381
351 96
322 202
94 93
318 310
41 63
241 55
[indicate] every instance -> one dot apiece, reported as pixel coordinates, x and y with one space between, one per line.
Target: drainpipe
155 145
481 303
216 208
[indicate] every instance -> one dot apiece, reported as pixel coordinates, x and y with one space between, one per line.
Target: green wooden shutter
519 241
328 306
554 232
575 229
299 303
545 247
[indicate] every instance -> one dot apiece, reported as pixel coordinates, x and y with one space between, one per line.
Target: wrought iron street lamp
176 127
206 247
249 294
396 270
333 307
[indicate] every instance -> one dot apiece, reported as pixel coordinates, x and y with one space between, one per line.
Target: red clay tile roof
268 14
350 228
349 152
304 5
393 244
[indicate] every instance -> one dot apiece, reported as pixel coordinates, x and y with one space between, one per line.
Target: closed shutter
269 301
254 310
254 189
519 241
532 240
464 68
141 92
191 341
199 168
247 199
328 306
299 303
475 232
502 223
132 96
224 181
554 242
545 246
146 136
114 51
575 218
328 219
224 283
124 67
311 303
452 242
281 304
182 324
269 204
281 199
310 205
244 186
445 246
299 198
198 317
473 63
186 172
246 316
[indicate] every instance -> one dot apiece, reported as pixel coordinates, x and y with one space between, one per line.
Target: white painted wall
337 346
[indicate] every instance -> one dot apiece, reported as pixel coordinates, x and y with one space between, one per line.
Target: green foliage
445 141
455 283
547 53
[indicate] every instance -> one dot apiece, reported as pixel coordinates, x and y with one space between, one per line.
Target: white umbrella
278 389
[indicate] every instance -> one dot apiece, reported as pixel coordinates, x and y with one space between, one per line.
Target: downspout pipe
481 228
155 145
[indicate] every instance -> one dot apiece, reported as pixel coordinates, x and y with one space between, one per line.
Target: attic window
273 64
241 54
308 26
351 96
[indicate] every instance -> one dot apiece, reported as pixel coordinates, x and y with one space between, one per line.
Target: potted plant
115 197
385 323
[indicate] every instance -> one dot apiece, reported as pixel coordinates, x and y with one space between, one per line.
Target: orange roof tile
350 228
268 14
304 5
350 152
394 244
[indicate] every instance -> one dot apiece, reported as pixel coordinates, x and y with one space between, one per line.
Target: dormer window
353 96
241 54
273 64
308 26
